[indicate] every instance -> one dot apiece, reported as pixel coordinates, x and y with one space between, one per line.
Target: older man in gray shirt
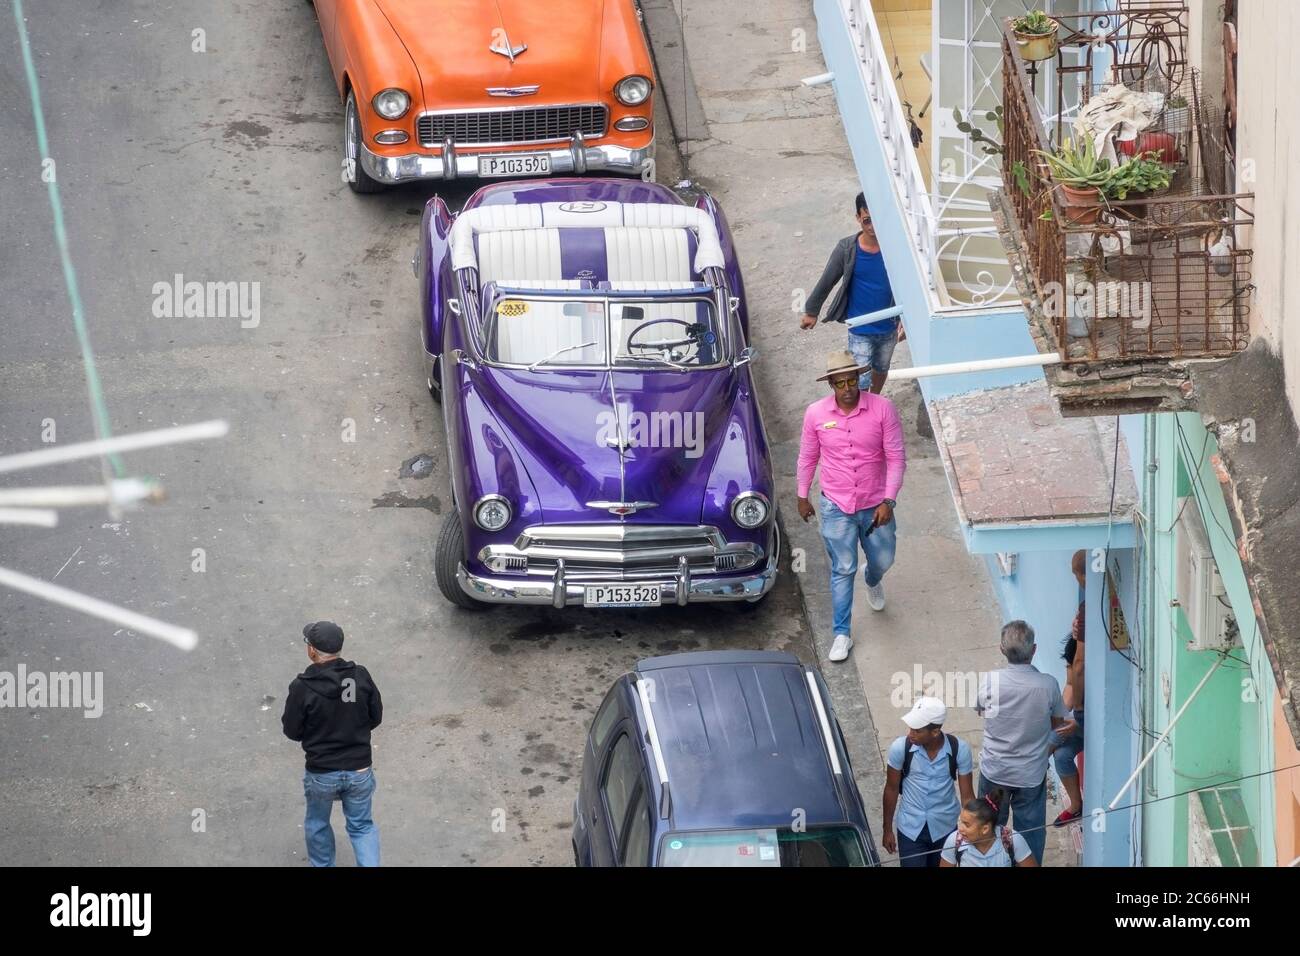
1021 707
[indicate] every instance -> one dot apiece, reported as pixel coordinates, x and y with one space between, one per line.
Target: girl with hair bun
979 841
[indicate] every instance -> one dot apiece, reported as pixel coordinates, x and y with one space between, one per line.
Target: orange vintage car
448 89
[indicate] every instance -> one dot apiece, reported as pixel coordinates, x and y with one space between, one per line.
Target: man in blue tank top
865 289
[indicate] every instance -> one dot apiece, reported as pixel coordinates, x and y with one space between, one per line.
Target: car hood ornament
503 46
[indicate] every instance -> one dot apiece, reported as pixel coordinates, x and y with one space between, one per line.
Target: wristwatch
891 502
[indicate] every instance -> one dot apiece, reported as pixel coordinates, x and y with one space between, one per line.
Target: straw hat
841 362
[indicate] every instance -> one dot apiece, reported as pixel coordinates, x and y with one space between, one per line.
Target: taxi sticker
512 307
831 424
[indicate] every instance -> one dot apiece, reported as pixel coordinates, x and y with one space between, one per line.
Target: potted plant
1141 178
1081 175
1035 35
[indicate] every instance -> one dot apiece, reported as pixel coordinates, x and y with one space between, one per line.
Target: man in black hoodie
331 709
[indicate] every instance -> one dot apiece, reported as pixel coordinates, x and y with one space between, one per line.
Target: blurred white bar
978 365
40 517
177 636
821 79
111 446
123 491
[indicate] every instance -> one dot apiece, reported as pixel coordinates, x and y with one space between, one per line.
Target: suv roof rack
823 724
643 689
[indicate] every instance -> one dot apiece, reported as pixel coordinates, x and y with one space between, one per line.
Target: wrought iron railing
1162 275
895 133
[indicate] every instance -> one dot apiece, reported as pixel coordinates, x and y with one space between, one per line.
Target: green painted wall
1226 732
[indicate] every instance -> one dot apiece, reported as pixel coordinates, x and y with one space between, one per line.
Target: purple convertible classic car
586 338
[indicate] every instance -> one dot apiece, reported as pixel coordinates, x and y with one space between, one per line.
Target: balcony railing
1160 276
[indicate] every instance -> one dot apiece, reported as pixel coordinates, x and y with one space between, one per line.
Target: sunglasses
844 383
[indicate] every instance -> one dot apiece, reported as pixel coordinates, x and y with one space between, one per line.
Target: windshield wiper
652 358
558 352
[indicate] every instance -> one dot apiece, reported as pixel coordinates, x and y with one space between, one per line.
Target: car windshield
775 846
672 333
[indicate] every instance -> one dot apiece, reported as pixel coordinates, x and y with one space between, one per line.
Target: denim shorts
874 350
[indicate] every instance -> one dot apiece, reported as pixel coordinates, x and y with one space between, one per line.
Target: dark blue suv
729 758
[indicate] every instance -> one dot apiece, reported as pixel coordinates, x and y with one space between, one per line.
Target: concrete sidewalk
774 154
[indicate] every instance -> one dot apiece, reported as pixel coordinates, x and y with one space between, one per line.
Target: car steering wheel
666 346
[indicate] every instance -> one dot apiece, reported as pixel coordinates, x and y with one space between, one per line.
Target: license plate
526 164
622 595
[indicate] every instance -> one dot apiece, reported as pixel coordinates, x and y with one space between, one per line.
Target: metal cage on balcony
1158 275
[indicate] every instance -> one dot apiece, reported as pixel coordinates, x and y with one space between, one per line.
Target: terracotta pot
1082 206
1037 46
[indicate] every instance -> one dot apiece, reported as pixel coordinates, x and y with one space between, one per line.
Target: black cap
325 636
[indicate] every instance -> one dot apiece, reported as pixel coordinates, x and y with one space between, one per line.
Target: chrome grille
508 125
621 552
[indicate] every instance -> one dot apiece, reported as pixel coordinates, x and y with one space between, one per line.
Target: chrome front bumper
575 157
565 589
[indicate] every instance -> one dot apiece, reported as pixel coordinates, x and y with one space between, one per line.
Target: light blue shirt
929 795
996 855
1018 704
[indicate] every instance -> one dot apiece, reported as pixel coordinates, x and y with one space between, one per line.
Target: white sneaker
840 649
876 596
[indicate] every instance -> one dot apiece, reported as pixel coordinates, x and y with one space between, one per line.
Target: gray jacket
838 266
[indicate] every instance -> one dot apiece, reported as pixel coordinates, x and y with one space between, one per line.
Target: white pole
1154 747
40 517
876 316
178 636
977 365
108 446
124 491
821 79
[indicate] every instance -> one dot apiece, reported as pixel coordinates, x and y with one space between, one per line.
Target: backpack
1004 832
907 761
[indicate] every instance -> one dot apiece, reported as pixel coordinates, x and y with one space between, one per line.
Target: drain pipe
1161 739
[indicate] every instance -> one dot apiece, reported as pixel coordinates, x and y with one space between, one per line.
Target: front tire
353 173
448 554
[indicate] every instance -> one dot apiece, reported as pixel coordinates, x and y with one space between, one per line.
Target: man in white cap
856 438
923 767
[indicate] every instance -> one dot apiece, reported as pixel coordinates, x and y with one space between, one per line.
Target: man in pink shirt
857 438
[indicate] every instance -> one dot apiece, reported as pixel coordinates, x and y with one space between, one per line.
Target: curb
667 39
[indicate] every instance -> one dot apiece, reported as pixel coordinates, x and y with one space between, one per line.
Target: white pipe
821 79
180 637
1161 739
109 446
977 365
124 491
40 517
876 316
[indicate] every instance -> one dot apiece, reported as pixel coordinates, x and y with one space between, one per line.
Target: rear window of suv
775 846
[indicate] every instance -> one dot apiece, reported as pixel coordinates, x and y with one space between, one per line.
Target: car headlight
492 513
392 104
749 510
632 90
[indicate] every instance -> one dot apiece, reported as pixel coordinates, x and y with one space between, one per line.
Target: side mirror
633 313
747 355
454 306
733 303
463 359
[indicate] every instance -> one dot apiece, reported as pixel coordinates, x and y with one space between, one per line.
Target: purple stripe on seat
582 254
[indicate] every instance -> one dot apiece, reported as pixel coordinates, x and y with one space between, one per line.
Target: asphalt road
224 166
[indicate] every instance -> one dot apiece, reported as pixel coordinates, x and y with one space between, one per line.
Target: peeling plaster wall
1268 132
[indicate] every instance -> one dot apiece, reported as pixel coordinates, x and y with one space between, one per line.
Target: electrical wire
98 406
1131 806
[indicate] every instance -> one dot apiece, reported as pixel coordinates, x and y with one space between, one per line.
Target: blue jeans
1028 808
355 790
1067 748
874 350
922 851
842 534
